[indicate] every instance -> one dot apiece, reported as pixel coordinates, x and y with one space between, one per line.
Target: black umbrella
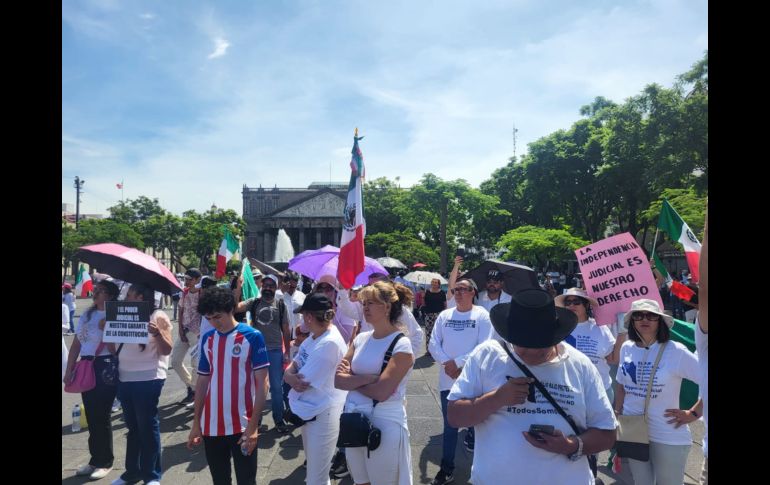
515 276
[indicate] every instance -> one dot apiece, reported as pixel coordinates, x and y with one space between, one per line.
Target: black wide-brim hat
532 320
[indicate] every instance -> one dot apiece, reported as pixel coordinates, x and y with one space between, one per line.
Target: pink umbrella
315 263
129 264
419 265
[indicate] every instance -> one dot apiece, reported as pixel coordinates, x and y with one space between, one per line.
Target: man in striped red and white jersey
230 391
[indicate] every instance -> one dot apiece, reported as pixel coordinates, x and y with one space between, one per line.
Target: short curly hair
215 300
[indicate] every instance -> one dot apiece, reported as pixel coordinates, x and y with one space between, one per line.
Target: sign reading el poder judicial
127 322
616 273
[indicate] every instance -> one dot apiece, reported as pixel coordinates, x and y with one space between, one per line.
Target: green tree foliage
449 213
95 231
403 246
539 246
203 233
383 206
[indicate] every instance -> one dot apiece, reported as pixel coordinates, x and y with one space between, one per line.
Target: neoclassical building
311 217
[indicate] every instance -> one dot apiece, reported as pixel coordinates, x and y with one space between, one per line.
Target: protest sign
127 322
616 272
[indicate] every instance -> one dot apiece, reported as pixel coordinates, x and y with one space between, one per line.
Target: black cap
494 275
315 302
193 273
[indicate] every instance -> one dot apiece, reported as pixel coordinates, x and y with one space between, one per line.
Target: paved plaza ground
280 456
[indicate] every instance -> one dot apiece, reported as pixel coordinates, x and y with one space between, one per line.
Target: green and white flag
673 225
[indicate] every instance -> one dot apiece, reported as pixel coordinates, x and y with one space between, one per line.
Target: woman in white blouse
98 401
360 374
313 396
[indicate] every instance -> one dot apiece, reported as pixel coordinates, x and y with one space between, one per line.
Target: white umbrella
389 262
424 277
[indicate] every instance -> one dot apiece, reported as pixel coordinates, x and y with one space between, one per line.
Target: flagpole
655 241
122 184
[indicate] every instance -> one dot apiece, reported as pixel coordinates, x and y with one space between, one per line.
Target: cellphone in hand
460 252
537 429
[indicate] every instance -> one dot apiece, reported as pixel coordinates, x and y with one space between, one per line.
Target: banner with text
127 322
616 273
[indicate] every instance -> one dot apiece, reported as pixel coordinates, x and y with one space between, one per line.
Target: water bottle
76 418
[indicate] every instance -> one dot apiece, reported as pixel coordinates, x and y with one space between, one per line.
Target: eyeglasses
462 289
572 302
637 316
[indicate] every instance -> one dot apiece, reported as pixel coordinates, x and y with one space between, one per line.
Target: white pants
178 354
319 439
666 465
391 462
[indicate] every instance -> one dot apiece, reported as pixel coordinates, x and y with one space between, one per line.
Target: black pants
219 449
98 404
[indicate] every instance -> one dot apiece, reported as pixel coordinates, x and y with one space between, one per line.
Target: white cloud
221 46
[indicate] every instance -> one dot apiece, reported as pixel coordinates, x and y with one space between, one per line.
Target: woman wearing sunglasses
648 332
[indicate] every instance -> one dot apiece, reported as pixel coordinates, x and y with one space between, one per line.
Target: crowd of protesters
534 361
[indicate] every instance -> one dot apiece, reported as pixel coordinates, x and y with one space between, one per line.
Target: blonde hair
394 294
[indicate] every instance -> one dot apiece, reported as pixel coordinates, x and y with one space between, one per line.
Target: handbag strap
541 388
652 378
386 358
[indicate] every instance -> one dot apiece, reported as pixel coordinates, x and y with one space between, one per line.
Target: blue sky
187 101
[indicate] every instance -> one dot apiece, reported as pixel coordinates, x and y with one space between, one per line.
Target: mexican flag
673 225
351 259
227 249
83 283
678 289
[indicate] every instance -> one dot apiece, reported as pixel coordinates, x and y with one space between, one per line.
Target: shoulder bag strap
541 388
652 378
386 358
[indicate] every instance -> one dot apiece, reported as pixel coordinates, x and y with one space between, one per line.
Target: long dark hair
112 293
663 334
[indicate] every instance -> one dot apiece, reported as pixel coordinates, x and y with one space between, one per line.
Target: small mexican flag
83 283
227 249
678 289
673 225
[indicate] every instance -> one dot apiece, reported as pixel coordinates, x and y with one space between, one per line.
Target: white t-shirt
65 318
89 334
596 341
293 301
702 346
368 357
574 383
355 310
317 361
677 363
484 300
69 300
455 335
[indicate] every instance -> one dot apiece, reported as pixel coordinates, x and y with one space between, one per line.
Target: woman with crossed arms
359 373
313 396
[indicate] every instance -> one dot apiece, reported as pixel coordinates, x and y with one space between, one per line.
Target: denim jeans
275 374
140 410
450 438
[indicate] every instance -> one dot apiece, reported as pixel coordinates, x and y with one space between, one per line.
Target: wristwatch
579 453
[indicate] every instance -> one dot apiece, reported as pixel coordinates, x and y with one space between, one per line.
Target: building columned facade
311 217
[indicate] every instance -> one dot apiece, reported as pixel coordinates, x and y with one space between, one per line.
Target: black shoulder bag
109 373
355 428
540 387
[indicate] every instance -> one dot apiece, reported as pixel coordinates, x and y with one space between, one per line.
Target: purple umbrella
315 263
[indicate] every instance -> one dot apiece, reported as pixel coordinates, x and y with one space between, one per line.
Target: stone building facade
311 217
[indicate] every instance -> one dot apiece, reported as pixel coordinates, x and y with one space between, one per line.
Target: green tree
203 233
449 213
95 231
383 206
539 246
402 246
690 206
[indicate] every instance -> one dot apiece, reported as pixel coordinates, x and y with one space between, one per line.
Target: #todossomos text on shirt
574 383
230 359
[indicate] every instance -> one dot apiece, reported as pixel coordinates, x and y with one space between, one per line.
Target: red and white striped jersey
230 359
